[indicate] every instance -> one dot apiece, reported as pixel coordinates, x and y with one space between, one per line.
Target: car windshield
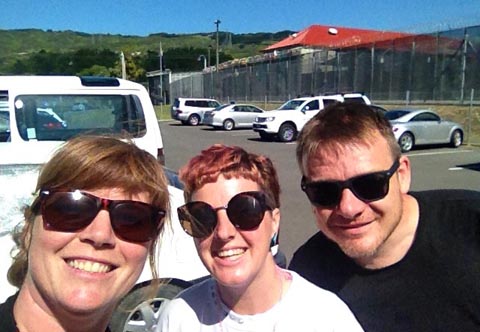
59 117
221 107
291 105
395 114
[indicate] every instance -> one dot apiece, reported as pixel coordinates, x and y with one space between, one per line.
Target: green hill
21 45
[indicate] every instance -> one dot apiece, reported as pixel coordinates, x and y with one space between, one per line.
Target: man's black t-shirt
435 287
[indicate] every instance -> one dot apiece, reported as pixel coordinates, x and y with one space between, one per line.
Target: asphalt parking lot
433 168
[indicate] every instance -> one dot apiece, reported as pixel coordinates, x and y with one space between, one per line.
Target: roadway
433 168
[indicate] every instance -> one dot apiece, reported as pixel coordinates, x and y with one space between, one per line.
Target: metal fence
437 68
444 66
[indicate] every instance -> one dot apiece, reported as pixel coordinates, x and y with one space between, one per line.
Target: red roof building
321 36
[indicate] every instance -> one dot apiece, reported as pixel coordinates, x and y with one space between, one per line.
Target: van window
357 100
192 103
328 102
4 125
59 117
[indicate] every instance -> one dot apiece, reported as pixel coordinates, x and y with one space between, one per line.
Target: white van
47 110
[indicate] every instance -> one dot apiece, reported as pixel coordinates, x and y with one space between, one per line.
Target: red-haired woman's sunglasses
245 211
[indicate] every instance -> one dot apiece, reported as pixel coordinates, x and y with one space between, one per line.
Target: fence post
469 125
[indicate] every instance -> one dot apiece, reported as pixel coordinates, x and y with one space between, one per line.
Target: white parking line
243 134
437 152
456 168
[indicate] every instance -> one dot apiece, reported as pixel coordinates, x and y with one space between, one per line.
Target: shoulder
449 205
310 248
301 287
190 309
448 196
318 255
449 221
308 301
196 296
7 320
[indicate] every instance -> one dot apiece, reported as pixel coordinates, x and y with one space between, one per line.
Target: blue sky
144 17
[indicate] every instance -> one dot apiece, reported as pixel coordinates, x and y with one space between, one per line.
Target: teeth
92 267
231 252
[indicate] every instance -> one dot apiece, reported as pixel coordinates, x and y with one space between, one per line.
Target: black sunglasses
245 211
71 211
367 187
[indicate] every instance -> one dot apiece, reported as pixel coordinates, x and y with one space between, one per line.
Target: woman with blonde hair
99 207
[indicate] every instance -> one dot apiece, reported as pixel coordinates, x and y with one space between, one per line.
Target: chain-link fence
438 68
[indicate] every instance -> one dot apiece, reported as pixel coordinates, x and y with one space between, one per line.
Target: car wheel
140 308
194 120
457 139
228 124
406 142
287 133
266 136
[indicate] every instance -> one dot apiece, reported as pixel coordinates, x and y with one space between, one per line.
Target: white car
413 127
286 122
232 116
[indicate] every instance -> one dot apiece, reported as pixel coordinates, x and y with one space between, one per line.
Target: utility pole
124 67
217 23
161 74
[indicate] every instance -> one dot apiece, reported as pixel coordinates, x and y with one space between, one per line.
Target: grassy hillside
23 43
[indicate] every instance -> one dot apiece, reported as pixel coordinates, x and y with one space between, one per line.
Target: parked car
41 111
379 109
48 119
286 122
191 110
414 127
355 97
232 116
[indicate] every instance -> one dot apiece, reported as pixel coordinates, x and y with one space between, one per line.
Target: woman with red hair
232 211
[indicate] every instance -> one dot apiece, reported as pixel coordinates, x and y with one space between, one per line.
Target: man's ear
404 174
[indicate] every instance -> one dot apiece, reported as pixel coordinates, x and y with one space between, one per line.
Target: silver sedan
423 127
232 116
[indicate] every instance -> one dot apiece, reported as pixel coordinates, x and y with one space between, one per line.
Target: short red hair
231 162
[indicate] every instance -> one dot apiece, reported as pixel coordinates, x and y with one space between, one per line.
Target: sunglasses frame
209 227
349 184
109 205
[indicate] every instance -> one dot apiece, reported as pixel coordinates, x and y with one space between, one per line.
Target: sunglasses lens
198 219
371 187
245 211
68 211
323 193
134 221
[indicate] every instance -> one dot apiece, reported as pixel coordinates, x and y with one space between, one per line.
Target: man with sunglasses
402 261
